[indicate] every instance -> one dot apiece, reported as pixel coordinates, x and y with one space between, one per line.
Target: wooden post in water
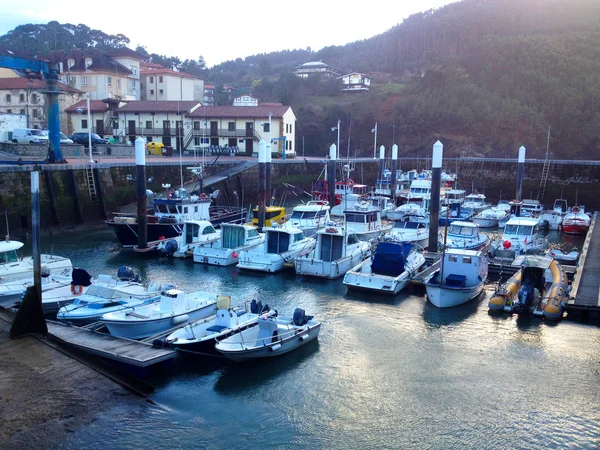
268 176
436 176
331 175
262 169
520 173
394 173
142 198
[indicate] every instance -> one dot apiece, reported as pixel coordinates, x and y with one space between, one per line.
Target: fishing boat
273 214
540 288
195 232
476 202
201 335
411 228
460 278
465 236
107 296
454 212
170 309
309 217
491 217
521 235
280 248
14 267
169 215
531 207
273 336
336 252
388 271
226 250
365 220
576 221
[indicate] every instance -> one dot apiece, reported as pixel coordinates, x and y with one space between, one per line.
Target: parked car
82 138
29 136
64 139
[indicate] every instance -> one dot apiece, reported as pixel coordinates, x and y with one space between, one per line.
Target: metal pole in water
262 163
520 173
142 199
268 177
436 176
331 175
394 172
381 161
35 233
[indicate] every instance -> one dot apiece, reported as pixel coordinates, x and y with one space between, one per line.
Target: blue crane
50 73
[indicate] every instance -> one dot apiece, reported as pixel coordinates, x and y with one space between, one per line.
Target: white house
162 84
355 82
315 67
8 122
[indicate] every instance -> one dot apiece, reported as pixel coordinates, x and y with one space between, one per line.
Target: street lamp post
338 138
374 130
89 127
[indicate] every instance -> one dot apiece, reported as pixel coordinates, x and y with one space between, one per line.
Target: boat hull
449 296
575 228
327 269
485 223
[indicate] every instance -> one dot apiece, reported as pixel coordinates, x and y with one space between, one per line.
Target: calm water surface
385 372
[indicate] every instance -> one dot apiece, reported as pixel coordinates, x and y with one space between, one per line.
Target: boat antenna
7 229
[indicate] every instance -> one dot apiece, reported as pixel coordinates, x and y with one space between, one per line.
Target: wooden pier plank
131 352
586 285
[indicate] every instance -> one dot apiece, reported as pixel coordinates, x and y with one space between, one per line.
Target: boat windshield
524 230
165 209
462 231
8 257
304 215
407 225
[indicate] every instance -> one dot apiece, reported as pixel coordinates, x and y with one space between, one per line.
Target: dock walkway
133 353
586 285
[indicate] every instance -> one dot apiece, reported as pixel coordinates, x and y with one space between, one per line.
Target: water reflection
439 317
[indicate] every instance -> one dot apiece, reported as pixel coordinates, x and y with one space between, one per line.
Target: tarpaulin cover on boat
389 258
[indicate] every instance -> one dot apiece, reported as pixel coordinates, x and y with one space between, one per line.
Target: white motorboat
411 228
201 335
408 209
102 298
531 207
336 252
521 235
553 219
273 336
12 291
171 308
365 220
281 247
309 217
459 279
14 267
465 236
388 271
385 205
576 221
225 251
491 217
195 232
476 202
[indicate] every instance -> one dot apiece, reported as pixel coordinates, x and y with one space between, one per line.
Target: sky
221 31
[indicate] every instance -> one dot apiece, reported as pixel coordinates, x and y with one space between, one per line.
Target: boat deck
130 352
586 284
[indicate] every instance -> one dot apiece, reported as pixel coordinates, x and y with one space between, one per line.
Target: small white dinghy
272 337
172 308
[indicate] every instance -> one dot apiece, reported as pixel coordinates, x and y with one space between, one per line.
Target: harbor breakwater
65 198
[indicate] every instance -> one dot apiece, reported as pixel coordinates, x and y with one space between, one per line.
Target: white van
29 136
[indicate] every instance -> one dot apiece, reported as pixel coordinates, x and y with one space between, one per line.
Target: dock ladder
91 183
544 179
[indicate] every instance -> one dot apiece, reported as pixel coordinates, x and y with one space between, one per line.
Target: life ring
76 289
576 210
203 195
331 230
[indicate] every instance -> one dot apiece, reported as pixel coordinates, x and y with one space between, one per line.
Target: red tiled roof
163 71
150 65
25 83
168 106
239 111
96 106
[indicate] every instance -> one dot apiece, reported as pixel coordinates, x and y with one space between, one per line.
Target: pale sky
222 31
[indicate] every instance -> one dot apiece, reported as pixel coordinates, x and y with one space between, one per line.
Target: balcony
221 132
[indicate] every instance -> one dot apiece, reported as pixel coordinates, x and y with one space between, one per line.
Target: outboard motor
80 277
166 287
125 273
170 247
526 297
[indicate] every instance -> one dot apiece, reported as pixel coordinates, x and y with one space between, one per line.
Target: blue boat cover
389 258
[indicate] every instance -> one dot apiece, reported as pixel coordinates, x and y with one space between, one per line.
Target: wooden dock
125 351
585 291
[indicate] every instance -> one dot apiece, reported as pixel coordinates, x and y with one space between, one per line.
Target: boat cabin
8 251
531 206
330 243
181 207
464 229
235 236
463 267
273 214
364 217
195 230
454 196
521 227
279 240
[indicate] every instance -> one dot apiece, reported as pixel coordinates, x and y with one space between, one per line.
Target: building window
119 83
151 80
160 79
160 92
151 91
34 98
266 128
148 124
9 111
73 81
196 141
21 98
8 98
84 124
109 81
204 140
115 124
35 113
84 80
231 126
22 111
196 125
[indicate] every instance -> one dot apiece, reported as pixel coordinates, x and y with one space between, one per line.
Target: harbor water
385 373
